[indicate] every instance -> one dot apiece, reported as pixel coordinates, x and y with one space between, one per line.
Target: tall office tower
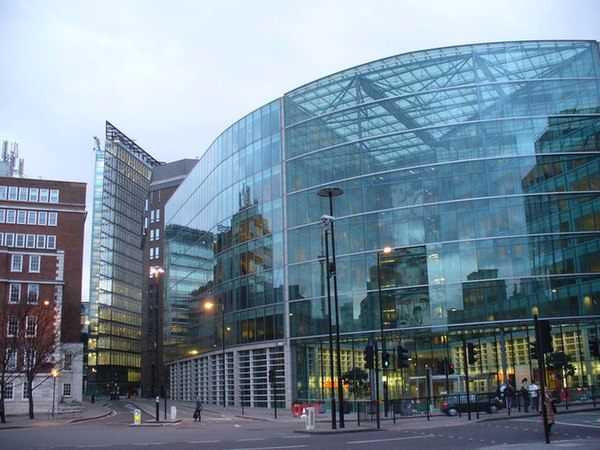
121 182
165 180
41 254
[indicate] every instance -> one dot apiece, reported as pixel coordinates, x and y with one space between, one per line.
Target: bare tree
33 332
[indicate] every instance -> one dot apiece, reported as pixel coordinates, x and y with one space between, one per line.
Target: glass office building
121 181
470 202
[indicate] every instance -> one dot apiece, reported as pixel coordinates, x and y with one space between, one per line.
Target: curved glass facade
477 167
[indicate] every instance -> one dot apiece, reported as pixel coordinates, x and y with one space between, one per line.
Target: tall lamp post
331 192
209 305
155 273
386 250
54 374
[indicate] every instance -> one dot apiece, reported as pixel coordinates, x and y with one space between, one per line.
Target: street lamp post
210 305
331 192
386 250
155 273
54 374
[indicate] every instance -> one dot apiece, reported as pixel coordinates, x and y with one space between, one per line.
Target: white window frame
40 241
54 195
157 234
151 252
20 240
12 193
11 216
67 391
31 217
30 241
157 215
23 194
14 294
2 215
43 218
34 194
44 195
151 235
33 293
35 263
11 358
156 252
151 216
12 326
16 263
21 217
31 326
3 192
51 242
24 391
1 238
9 390
9 239
52 219
68 361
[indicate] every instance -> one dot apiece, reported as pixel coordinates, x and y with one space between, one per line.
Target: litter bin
173 412
137 417
310 418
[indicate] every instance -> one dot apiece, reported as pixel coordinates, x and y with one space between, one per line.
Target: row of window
12 327
24 194
29 357
9 391
24 217
154 252
22 240
33 293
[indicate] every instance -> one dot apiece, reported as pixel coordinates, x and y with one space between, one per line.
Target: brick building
41 255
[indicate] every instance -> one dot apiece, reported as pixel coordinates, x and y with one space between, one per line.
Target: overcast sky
174 74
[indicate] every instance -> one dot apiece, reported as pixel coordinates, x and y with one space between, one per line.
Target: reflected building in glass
478 166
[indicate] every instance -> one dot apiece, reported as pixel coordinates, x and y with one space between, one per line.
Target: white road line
391 439
204 442
250 439
270 448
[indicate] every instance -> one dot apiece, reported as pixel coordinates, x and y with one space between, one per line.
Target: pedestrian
524 392
509 393
533 393
198 410
550 408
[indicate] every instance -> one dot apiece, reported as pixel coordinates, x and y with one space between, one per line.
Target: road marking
391 439
204 442
250 439
270 448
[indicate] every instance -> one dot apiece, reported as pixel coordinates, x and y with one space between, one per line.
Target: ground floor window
67 390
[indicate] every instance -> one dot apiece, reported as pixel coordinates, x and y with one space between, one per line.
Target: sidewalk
89 411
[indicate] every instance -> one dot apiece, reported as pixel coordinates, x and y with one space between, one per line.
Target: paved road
221 431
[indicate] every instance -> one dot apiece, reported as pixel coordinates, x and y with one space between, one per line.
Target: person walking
533 393
550 408
198 410
524 393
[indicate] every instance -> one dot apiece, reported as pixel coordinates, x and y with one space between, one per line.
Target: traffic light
385 360
594 350
450 369
441 367
472 353
271 375
403 357
533 350
545 337
369 357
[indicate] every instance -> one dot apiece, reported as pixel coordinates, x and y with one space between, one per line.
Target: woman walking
549 401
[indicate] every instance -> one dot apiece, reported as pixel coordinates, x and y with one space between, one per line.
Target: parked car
456 402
